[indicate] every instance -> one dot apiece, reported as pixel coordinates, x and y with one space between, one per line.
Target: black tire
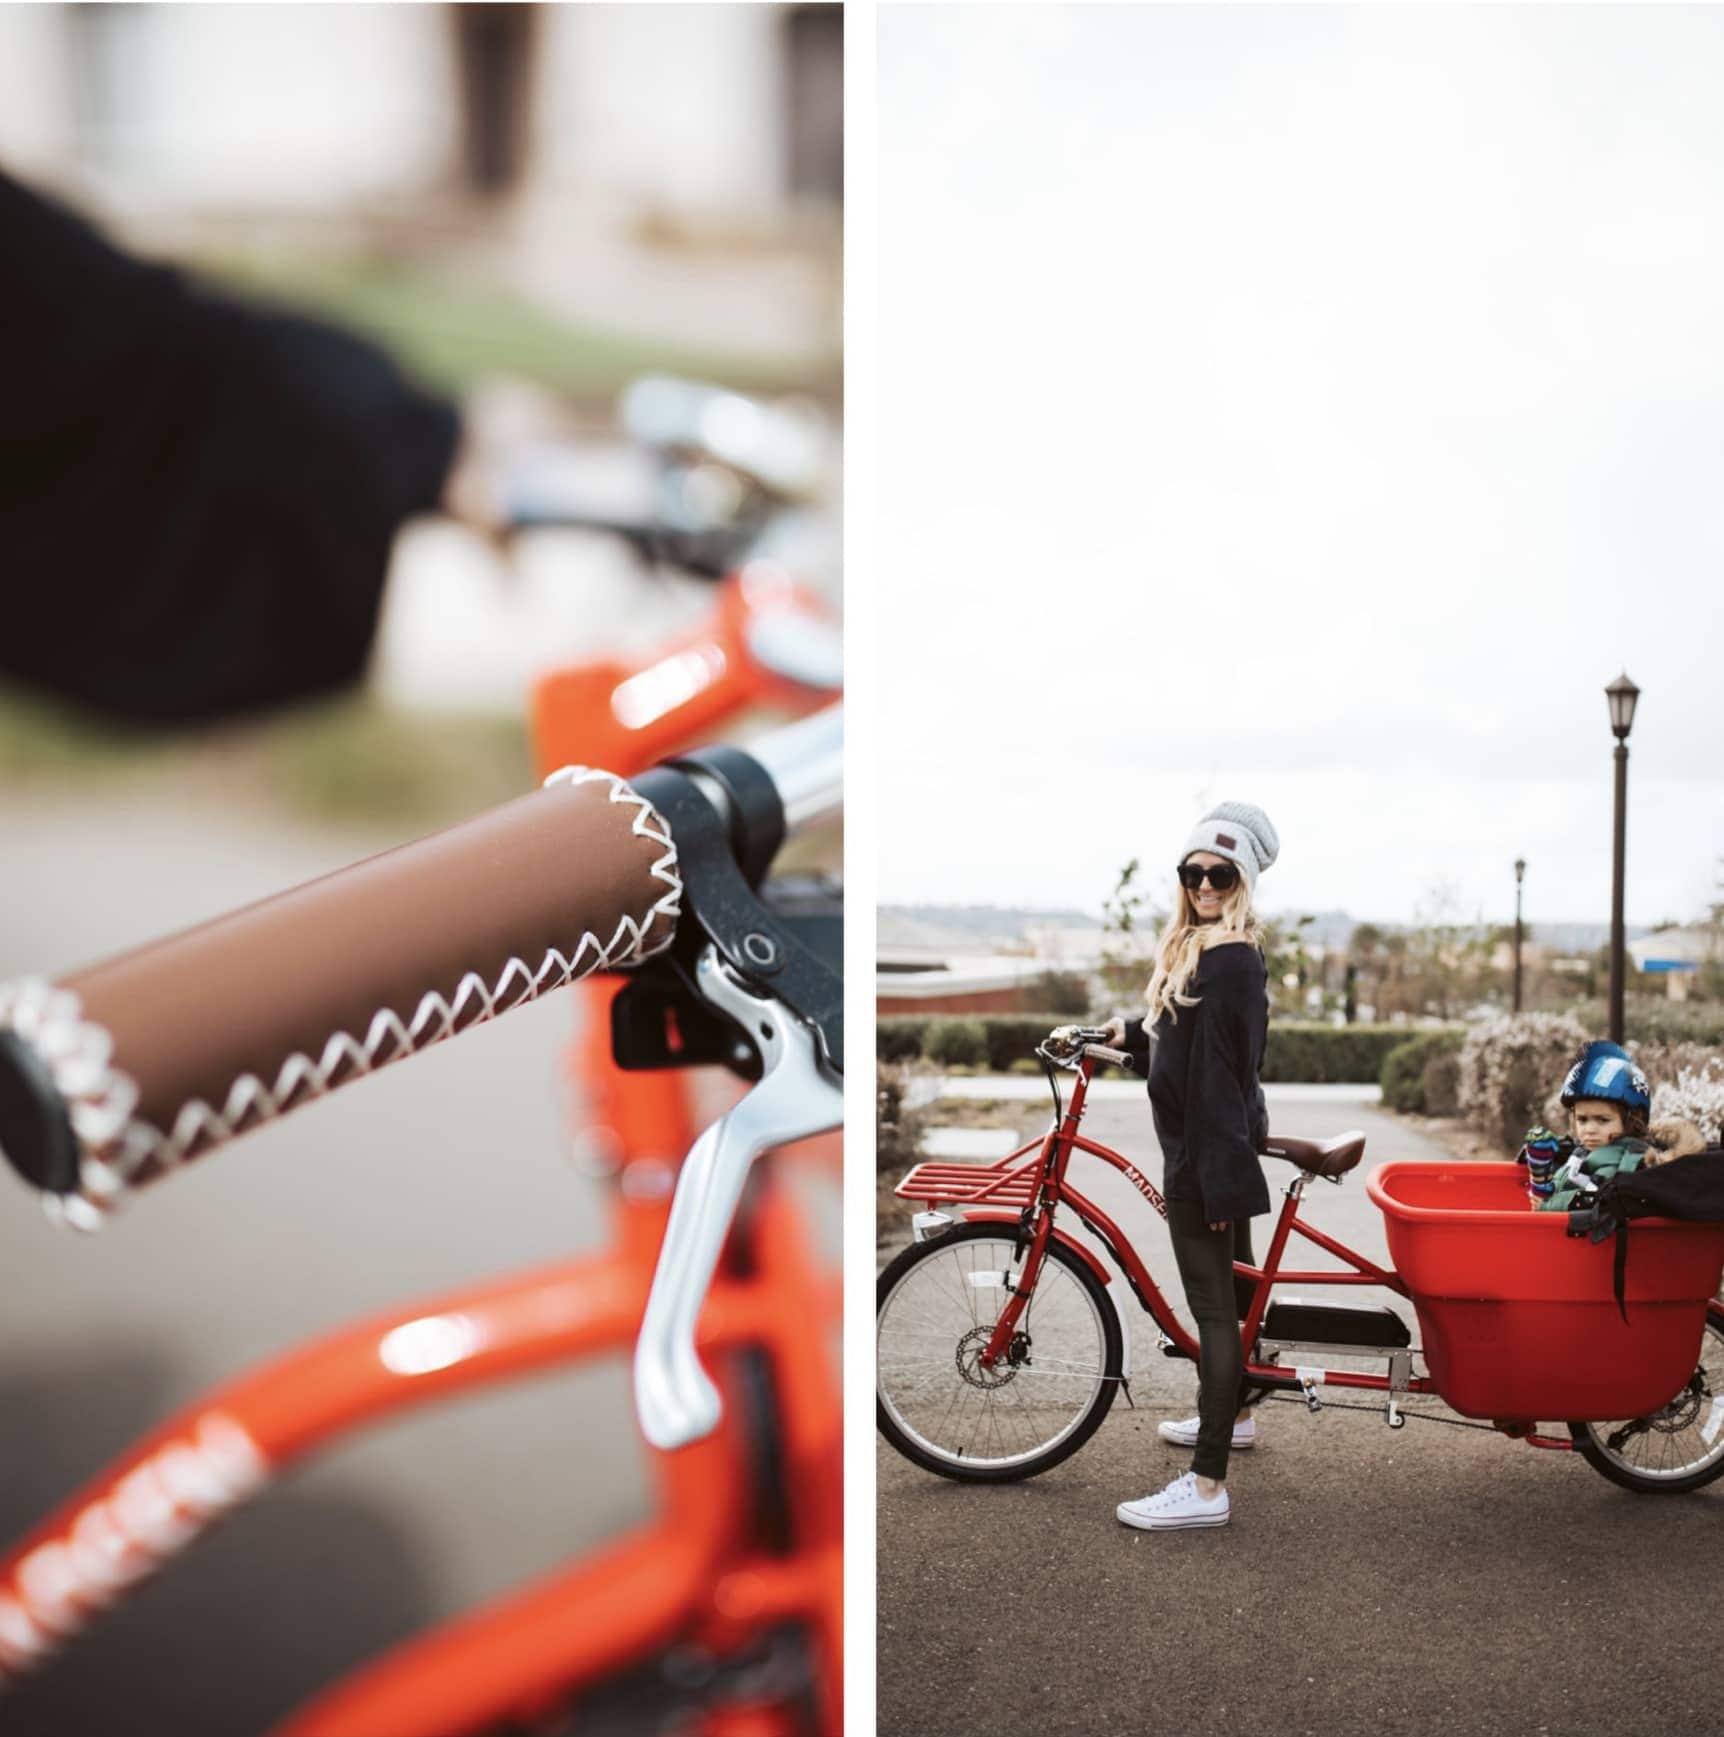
911 1350
1669 1452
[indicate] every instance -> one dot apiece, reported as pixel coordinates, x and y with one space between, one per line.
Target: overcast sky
1310 406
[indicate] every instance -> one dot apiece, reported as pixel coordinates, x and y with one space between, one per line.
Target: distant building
1675 949
1677 955
925 965
984 983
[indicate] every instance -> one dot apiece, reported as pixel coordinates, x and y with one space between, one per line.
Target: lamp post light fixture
1622 695
1519 876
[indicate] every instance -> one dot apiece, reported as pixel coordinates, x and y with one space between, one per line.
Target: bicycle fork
1018 1296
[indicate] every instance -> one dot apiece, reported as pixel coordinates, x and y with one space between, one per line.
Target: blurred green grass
42 743
355 760
343 760
455 331
348 761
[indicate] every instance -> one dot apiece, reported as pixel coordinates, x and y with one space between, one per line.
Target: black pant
1220 1302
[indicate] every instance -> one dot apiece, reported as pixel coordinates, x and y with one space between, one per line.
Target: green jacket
1617 1159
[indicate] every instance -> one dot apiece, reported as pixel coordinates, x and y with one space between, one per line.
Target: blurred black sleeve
1136 1045
197 495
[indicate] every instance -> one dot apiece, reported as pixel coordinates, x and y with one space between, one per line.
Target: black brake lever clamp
659 1019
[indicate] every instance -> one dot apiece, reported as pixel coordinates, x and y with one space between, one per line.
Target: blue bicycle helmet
1606 1072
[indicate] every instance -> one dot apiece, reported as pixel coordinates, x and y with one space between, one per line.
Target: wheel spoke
935 1323
1670 1448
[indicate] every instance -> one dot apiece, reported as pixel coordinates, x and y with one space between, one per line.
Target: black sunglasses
1223 876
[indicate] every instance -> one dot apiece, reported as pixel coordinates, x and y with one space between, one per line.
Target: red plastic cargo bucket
1518 1320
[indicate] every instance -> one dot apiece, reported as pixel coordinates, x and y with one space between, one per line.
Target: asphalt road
1431 1579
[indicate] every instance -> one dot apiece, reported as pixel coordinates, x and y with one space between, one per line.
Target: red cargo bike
1000 1348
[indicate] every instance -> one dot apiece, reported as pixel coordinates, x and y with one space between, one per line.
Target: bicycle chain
1377 1411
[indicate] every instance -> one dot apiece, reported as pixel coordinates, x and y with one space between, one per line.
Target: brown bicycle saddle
1330 1158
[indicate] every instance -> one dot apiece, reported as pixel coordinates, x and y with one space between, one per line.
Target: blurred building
1678 955
982 983
674 170
985 960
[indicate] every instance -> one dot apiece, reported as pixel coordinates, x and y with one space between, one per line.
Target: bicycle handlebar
1101 1052
805 761
118 1072
778 447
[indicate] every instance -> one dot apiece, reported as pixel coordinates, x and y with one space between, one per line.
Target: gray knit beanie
1239 831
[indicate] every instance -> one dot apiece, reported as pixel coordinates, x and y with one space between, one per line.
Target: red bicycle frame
703 1571
1028 1191
627 716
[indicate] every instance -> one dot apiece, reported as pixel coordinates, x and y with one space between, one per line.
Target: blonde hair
1185 939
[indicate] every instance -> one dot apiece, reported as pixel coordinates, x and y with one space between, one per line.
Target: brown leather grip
167 1051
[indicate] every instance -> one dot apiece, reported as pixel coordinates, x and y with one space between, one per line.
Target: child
1610 1106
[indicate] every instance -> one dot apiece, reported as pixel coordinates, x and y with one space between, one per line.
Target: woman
1209 1012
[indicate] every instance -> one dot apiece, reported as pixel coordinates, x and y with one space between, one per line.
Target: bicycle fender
1000 1215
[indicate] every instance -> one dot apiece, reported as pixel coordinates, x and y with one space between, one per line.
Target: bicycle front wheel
1678 1448
938 1302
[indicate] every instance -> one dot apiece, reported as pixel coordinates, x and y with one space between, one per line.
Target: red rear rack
1012 1182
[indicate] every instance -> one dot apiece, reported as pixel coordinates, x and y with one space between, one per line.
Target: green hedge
898 1038
1313 1054
1012 1037
1406 1076
1004 1038
955 1043
1298 1051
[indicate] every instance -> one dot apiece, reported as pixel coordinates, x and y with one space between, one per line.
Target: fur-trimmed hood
1673 1137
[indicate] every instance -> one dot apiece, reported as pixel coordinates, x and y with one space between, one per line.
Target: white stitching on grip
101 1098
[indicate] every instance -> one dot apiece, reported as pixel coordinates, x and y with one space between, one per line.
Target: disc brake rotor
969 1357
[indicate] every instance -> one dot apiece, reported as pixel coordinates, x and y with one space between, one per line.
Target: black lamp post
1622 695
1519 876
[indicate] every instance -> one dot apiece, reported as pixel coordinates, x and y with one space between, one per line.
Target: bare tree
1128 914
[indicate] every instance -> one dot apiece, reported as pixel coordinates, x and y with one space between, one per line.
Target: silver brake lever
796 1096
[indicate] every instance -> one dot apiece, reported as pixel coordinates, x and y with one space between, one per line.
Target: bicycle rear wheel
937 1305
1678 1448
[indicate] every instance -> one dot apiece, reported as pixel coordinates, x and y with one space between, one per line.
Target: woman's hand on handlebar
1115 1029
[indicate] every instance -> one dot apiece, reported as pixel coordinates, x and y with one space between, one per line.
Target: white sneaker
1184 1433
1178 1505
